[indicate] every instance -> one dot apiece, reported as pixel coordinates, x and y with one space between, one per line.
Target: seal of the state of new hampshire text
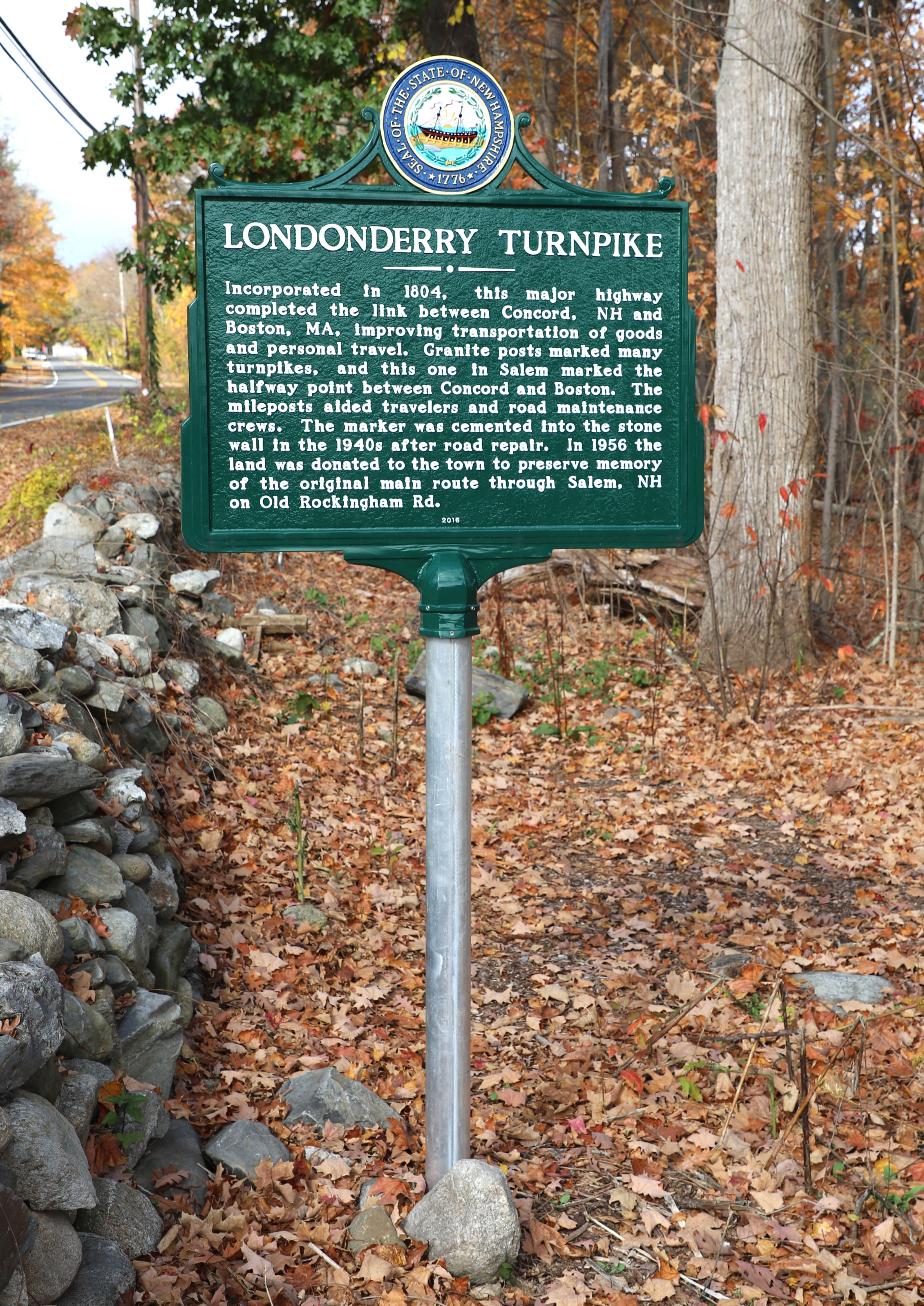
447 126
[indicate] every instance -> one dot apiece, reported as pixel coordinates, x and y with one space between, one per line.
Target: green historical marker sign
441 364
441 377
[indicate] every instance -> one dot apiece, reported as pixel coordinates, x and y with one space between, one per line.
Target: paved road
70 386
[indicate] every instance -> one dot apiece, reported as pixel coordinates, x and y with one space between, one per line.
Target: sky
92 211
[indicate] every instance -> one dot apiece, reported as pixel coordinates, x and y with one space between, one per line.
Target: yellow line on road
93 376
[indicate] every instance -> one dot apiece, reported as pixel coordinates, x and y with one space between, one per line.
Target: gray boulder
127 937
504 697
147 627
56 556
326 1096
6 1129
162 889
12 730
12 825
31 779
177 1152
79 1095
89 831
139 904
305 913
27 923
33 992
19 1228
182 672
134 867
107 700
89 1034
81 603
469 1221
19 667
151 1035
15 1294
210 715
47 859
83 940
51 1264
124 1214
241 1146
193 582
372 1228
74 680
169 954
835 987
50 1171
105 1274
72 522
144 525
89 875
25 625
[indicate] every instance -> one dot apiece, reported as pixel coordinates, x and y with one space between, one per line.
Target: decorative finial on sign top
665 186
217 173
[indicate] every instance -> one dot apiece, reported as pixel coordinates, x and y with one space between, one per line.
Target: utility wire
73 126
57 90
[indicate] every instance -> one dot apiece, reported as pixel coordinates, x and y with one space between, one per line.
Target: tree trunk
448 27
834 438
762 464
552 72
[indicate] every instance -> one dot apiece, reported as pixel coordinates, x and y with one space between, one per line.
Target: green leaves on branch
272 89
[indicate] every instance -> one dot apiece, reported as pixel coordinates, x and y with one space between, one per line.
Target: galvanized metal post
449 912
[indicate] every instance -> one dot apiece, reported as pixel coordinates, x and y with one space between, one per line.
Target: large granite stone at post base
32 779
51 1264
19 1228
469 1221
319 1097
506 697
49 1168
241 1146
178 1152
12 730
26 922
151 1035
31 991
124 1214
105 1274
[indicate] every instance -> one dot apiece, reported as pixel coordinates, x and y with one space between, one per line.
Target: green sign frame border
447 566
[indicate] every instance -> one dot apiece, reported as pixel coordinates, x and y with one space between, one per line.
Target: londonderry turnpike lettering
442 368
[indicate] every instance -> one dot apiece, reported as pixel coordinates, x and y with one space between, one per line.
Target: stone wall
99 669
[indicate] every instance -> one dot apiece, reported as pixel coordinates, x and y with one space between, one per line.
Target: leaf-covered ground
644 890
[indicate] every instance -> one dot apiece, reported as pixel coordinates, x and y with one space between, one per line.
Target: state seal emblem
447 126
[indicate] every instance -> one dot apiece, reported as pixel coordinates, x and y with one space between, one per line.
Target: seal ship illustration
445 137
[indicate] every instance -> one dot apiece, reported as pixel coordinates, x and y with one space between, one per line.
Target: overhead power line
54 86
64 118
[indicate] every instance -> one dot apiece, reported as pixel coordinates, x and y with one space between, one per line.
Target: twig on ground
747 1066
806 1133
807 1098
313 1247
666 1025
653 1260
